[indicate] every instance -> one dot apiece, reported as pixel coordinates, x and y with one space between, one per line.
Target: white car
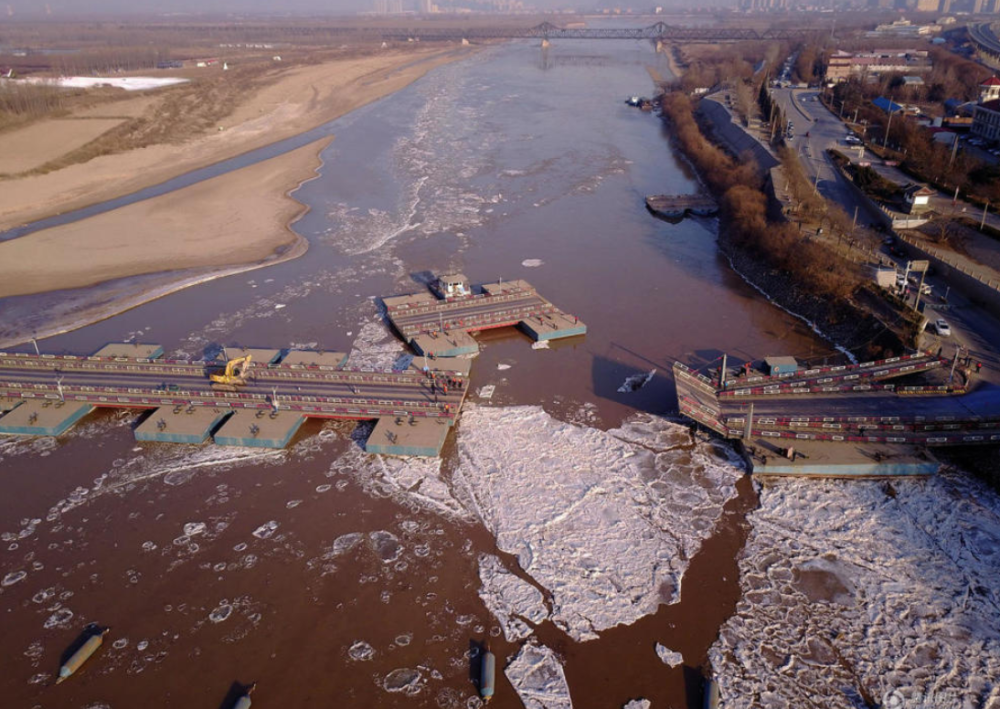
942 327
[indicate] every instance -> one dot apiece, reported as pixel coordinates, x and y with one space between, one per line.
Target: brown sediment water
216 566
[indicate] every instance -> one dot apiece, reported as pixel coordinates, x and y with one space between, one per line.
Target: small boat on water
488 676
82 654
244 701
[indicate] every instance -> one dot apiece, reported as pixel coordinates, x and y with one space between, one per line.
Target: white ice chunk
606 526
510 599
636 382
638 704
415 480
532 262
486 392
882 591
668 656
538 678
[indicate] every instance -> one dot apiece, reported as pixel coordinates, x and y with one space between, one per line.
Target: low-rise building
986 113
845 65
916 198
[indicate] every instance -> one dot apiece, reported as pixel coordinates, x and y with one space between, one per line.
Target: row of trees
926 159
109 60
21 102
744 207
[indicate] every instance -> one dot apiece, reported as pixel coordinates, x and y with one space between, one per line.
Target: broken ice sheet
510 599
537 676
606 526
852 592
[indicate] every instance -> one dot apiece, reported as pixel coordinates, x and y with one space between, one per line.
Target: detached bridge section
853 404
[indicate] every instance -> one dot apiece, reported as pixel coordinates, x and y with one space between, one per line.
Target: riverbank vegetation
740 189
23 103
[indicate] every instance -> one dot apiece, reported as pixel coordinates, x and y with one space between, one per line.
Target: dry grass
174 115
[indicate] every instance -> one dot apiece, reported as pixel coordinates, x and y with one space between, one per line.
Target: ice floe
486 392
637 704
607 526
537 676
360 651
510 599
406 680
532 262
636 382
417 481
863 593
668 656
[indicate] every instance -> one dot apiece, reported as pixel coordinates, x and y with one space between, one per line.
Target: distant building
928 5
986 120
986 113
903 28
917 198
989 90
845 65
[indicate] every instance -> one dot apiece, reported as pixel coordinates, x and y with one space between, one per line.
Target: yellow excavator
236 373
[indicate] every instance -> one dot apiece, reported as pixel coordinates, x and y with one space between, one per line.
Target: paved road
802 107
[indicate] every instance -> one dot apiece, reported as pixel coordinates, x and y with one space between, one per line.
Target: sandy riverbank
296 100
241 217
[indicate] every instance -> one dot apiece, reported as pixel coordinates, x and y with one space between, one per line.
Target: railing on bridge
547 30
660 31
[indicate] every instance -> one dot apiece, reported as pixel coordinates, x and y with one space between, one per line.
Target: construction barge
677 206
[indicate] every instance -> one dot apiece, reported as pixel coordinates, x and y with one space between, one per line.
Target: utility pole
722 372
749 423
35 343
920 290
854 225
888 125
954 151
983 222
954 361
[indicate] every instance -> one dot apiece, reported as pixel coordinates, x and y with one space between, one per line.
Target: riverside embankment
803 276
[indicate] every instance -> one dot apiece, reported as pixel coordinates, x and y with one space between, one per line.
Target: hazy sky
333 7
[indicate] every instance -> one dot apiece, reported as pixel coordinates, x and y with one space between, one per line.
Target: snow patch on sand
606 525
538 678
513 602
859 593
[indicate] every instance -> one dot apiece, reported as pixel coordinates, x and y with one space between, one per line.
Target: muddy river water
333 578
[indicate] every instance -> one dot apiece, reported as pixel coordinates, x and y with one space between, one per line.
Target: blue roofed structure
887 105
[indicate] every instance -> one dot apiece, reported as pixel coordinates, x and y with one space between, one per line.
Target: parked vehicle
942 327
